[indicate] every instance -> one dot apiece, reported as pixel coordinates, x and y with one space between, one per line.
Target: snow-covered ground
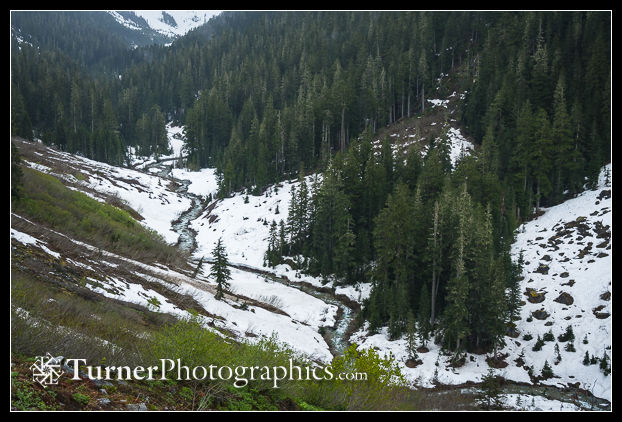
149 195
576 252
185 20
573 240
300 315
298 329
585 274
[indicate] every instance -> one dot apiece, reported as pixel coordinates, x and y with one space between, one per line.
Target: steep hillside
158 202
566 283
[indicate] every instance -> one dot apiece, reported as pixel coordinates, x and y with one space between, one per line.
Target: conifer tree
220 271
424 315
490 396
411 337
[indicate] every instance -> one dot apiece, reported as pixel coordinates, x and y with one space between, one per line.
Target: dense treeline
434 242
541 96
58 101
266 94
277 90
261 93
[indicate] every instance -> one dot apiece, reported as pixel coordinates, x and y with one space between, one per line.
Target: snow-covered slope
273 308
175 23
170 23
567 253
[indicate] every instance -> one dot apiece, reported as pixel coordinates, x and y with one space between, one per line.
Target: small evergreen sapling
489 396
558 356
539 343
547 371
220 269
411 337
567 336
548 336
604 364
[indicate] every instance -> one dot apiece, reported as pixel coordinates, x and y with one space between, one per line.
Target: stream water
336 335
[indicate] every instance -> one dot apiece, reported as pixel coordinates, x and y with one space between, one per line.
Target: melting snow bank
566 250
293 316
567 253
151 196
459 145
245 226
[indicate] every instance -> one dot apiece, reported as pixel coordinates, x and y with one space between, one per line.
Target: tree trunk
434 275
343 135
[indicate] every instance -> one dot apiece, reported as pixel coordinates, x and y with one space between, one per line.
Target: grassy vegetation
47 201
187 340
48 318
53 312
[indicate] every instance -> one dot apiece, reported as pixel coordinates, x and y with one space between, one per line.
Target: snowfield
297 326
579 265
567 253
185 20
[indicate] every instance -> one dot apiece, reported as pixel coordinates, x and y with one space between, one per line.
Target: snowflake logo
47 369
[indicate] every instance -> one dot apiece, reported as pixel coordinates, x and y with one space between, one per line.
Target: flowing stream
336 336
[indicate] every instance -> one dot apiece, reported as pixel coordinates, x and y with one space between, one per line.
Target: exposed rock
497 361
411 363
565 298
534 296
564 274
540 314
542 269
137 407
598 314
606 295
604 194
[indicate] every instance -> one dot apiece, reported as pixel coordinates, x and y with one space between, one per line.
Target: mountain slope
567 253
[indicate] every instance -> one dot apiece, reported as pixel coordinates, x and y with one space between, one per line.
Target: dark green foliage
547 371
586 359
16 173
558 356
568 335
538 345
548 336
490 395
220 271
513 292
411 337
604 365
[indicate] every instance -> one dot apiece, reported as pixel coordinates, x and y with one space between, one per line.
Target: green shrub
82 399
383 388
47 201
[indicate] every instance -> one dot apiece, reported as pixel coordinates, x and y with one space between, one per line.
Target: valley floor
577 234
